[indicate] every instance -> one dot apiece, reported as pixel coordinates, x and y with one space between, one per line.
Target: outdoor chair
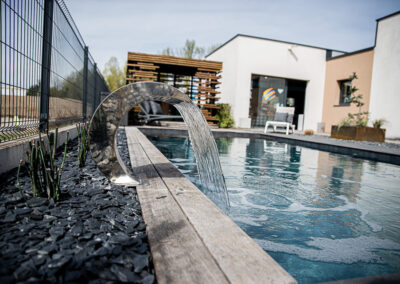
151 111
283 118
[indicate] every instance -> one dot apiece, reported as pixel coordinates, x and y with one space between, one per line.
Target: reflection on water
322 216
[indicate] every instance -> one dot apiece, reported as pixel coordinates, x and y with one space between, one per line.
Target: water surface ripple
322 216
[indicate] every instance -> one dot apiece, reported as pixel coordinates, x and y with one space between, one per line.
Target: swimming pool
322 216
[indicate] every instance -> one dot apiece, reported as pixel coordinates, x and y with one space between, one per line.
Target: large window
269 92
345 92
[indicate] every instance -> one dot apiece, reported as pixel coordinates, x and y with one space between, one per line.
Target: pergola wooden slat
196 78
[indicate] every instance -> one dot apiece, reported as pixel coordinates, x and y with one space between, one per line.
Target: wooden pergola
196 78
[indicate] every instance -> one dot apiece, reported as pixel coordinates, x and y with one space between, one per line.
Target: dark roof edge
276 40
388 16
352 53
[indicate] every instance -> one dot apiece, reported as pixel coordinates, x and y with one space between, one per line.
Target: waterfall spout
206 154
108 115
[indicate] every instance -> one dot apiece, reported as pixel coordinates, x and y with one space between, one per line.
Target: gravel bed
94 234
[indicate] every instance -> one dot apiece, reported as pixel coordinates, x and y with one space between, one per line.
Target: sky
114 27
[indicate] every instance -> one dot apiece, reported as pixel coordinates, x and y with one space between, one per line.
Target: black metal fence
47 75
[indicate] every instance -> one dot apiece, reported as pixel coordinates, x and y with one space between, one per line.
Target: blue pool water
322 216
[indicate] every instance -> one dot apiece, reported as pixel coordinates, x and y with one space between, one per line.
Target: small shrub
345 122
309 132
225 117
83 143
378 123
363 122
360 118
44 173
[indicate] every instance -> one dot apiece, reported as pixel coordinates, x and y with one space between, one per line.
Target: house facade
252 65
385 84
336 104
311 79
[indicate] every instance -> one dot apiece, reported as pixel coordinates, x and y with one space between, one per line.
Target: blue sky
112 28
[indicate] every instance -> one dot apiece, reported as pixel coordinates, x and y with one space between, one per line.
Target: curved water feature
110 112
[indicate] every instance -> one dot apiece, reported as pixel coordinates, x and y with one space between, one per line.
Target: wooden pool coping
191 239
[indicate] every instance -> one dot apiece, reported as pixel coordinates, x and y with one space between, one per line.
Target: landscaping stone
10 217
36 201
56 232
124 275
94 234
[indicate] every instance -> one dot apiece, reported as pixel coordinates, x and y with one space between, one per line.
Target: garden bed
95 233
358 133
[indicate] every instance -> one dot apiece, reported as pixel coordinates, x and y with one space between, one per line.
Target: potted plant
378 123
354 126
225 119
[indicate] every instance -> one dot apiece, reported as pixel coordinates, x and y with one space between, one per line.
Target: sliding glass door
267 94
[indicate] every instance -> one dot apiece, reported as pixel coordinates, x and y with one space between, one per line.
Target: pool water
321 216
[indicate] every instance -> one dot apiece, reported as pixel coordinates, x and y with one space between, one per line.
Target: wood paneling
198 79
171 60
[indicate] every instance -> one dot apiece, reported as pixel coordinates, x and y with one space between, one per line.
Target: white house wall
385 85
270 58
227 55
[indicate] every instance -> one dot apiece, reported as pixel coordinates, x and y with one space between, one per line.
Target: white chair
283 118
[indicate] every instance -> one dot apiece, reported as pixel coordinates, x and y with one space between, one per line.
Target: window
345 92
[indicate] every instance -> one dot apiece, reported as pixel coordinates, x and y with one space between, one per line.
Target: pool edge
167 197
339 146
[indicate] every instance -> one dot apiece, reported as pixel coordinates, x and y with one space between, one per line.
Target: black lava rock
124 275
22 211
94 234
37 202
10 217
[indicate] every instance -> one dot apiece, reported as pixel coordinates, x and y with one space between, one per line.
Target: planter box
359 133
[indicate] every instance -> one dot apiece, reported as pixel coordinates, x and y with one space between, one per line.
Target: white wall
385 85
248 56
228 56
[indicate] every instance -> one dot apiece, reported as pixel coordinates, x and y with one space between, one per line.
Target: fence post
85 77
46 63
95 88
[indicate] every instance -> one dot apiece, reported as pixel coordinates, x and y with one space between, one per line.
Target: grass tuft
83 143
45 175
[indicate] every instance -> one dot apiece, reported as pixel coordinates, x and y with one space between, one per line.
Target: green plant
224 116
113 74
378 123
18 184
345 122
360 118
83 143
45 175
